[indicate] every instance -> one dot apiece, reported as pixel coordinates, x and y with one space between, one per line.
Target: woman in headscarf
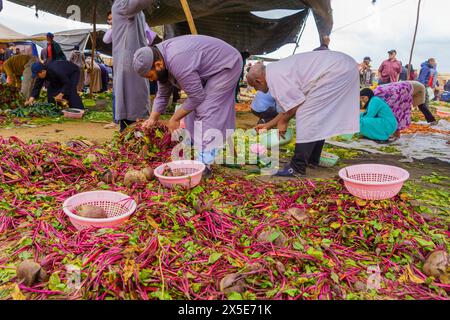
401 97
378 122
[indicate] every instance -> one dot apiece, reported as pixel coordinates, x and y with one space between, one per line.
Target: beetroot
94 212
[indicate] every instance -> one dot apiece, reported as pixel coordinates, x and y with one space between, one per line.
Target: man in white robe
319 88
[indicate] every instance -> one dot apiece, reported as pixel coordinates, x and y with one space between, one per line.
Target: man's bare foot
111 125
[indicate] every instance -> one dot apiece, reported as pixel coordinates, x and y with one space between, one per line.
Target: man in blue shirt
62 78
264 107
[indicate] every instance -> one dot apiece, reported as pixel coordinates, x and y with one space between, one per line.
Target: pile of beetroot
229 238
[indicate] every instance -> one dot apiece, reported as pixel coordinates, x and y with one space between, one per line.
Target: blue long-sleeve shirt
58 76
264 101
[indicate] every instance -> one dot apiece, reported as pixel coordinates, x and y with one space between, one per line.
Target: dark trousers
125 124
306 154
266 116
73 97
105 78
427 113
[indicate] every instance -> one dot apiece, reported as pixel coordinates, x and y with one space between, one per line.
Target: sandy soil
95 132
62 132
417 169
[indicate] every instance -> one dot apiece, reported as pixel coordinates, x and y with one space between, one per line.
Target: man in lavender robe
128 35
321 90
207 69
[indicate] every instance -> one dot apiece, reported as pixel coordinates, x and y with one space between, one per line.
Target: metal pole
414 40
301 33
94 44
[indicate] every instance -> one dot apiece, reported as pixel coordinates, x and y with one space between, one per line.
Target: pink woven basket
119 207
374 181
192 173
258 149
73 113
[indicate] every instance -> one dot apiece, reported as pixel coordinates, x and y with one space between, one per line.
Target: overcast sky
389 25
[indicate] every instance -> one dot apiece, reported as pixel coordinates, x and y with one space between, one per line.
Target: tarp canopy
229 20
8 35
79 37
245 31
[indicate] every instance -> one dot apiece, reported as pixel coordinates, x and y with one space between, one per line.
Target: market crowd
327 92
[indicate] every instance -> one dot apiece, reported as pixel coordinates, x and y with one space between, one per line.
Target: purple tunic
208 70
399 96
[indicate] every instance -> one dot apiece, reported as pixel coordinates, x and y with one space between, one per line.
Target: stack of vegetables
39 109
10 97
137 141
13 104
419 128
227 238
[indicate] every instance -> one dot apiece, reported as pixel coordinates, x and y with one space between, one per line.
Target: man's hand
262 127
173 125
59 97
149 123
282 128
29 102
152 121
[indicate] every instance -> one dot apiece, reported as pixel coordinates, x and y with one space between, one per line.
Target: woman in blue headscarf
378 122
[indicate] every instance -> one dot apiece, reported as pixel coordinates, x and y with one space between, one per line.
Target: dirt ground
96 133
62 132
417 169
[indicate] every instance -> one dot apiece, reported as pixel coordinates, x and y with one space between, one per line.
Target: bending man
17 67
207 69
62 78
319 88
264 107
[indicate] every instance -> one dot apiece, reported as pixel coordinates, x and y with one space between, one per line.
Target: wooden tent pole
190 20
414 40
94 44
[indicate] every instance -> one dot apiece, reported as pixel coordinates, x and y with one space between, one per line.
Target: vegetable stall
228 238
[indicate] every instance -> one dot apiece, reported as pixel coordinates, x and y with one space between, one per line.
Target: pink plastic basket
192 173
258 149
73 113
374 181
119 207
